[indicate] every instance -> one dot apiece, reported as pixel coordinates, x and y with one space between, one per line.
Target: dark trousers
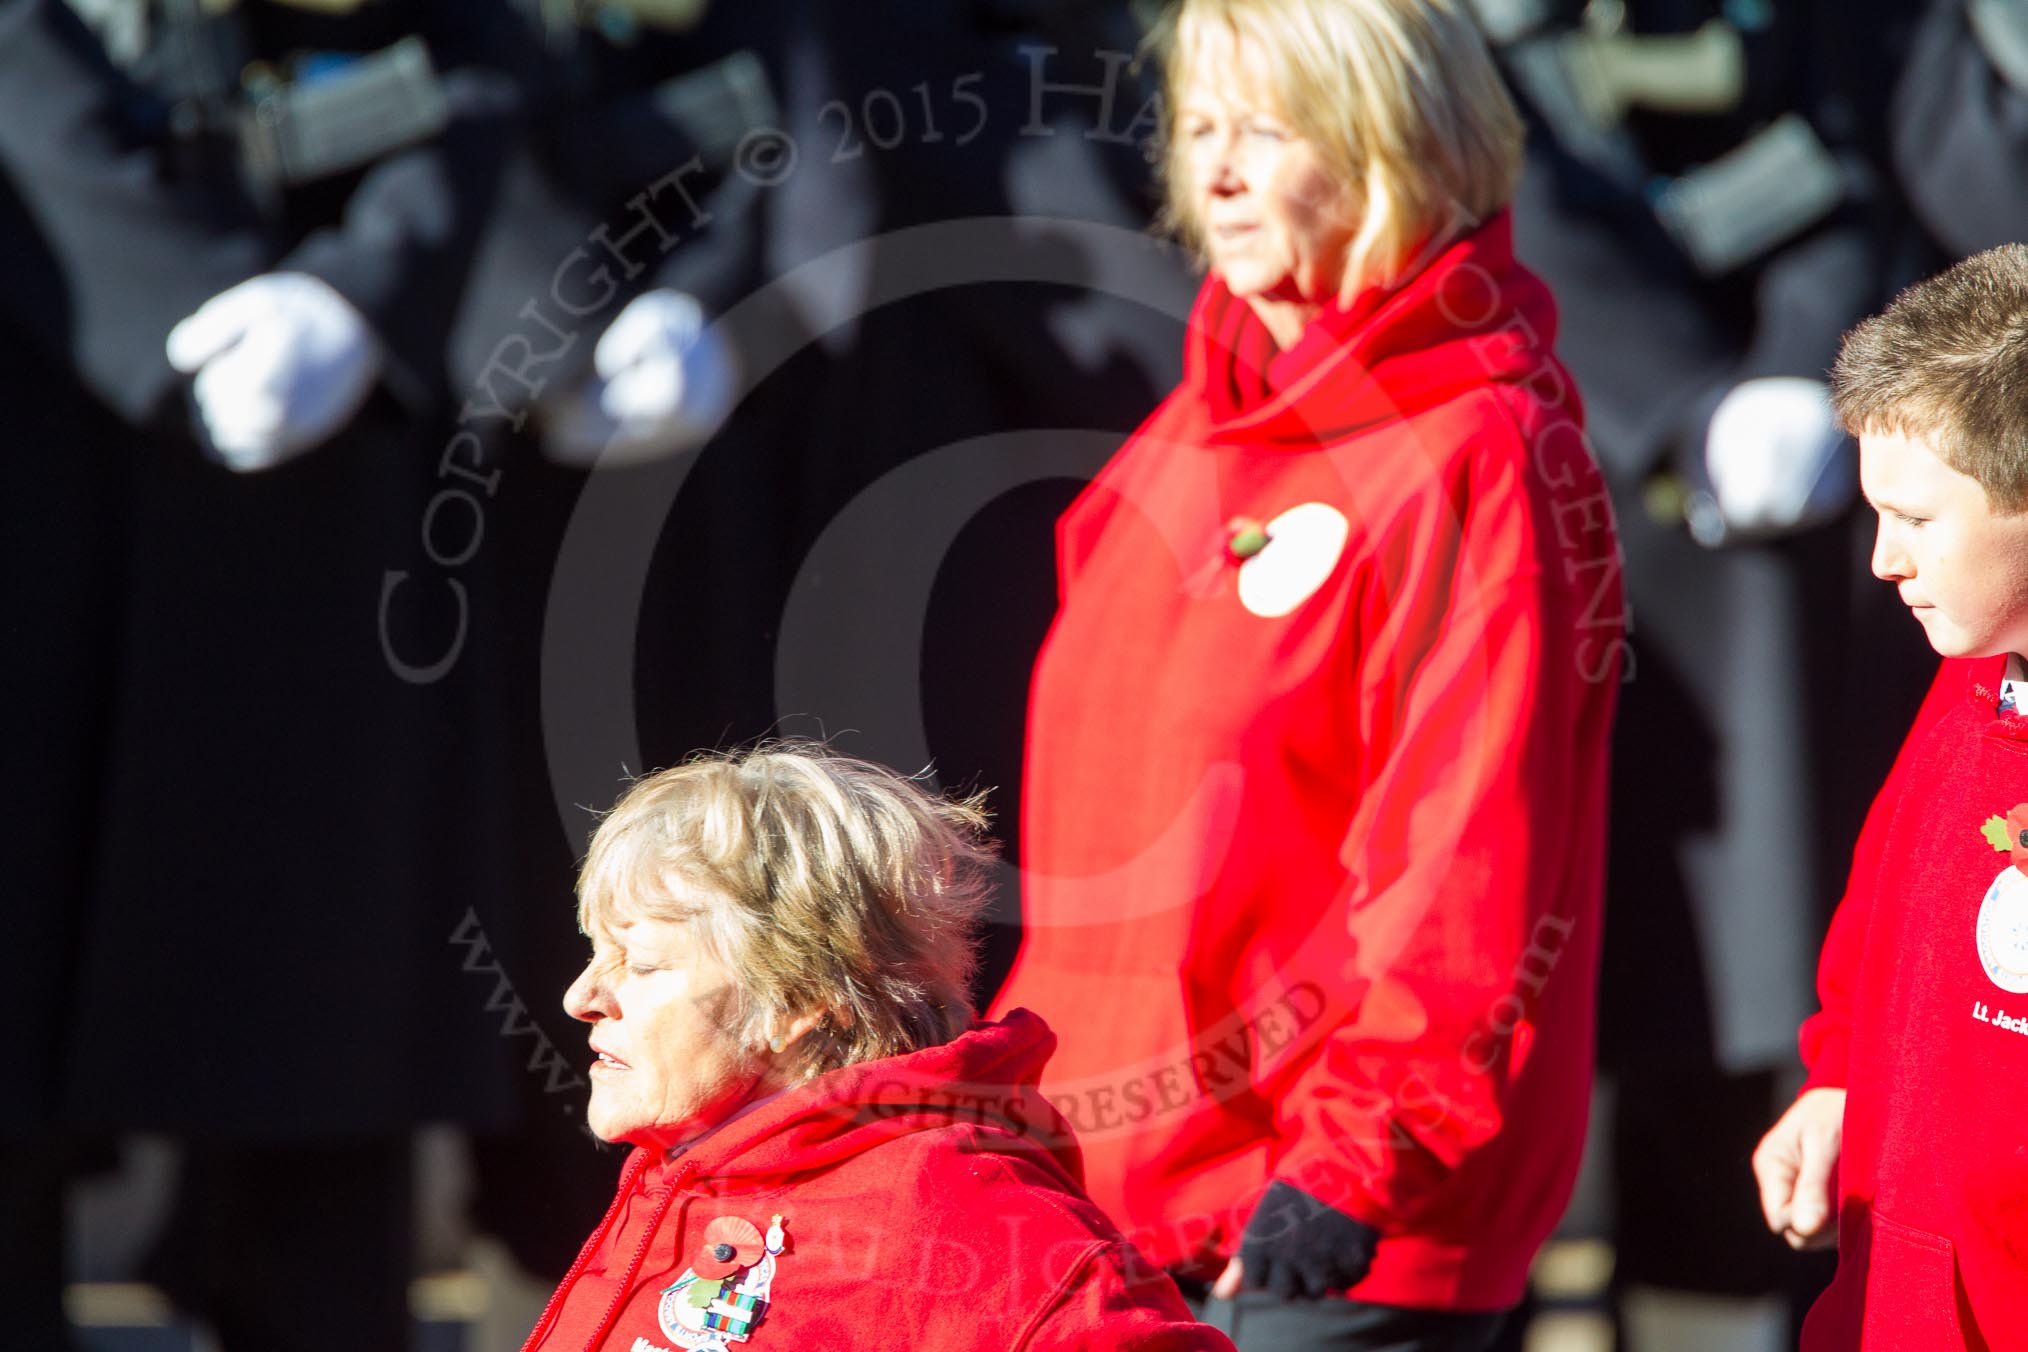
1259 1322
32 1179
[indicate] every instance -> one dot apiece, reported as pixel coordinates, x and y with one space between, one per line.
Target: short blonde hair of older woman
1400 98
821 883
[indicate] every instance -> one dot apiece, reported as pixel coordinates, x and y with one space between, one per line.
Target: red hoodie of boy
1313 836
1924 983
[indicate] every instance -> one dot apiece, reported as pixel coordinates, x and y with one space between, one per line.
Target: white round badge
2003 931
1303 547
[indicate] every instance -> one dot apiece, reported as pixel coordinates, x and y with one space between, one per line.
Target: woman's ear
789 1034
800 1025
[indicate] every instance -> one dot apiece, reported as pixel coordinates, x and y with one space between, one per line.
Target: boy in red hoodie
1908 1147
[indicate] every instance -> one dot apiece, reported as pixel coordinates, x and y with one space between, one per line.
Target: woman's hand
1299 1248
1794 1165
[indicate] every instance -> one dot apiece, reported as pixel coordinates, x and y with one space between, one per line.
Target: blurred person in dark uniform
855 387
1704 195
1960 136
1031 120
590 337
281 831
103 257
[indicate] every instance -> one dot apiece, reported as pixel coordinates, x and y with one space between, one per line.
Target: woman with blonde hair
1314 835
828 1151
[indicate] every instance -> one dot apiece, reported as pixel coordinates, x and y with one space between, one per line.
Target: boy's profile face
1959 565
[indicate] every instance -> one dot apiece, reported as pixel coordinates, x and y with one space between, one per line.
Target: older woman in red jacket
1315 793
825 1154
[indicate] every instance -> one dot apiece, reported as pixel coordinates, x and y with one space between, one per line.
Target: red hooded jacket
1924 983
1314 837
927 1201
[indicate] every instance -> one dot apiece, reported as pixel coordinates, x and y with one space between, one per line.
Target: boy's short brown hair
1948 362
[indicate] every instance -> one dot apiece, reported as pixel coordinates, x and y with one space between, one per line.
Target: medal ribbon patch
725 1292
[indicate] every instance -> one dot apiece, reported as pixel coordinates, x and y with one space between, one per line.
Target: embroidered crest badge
726 1291
2002 929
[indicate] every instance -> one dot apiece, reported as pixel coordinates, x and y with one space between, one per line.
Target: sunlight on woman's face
1275 223
669 1065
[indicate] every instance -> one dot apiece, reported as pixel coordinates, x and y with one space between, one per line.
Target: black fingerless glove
1300 1248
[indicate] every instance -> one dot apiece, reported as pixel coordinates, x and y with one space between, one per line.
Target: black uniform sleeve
402 253
1961 134
103 253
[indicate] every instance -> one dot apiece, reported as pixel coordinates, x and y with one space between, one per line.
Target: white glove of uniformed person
1776 460
663 383
281 362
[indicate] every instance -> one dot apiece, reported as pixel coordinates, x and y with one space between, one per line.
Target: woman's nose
1224 177
1213 162
586 999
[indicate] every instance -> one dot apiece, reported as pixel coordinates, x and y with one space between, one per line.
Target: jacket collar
987 1077
1471 315
1982 691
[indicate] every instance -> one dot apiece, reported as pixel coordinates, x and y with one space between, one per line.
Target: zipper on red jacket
684 1174
628 1177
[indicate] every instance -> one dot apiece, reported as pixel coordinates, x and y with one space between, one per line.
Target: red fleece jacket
1314 840
927 1201
1924 984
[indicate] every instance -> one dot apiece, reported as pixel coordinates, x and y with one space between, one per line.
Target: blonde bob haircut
821 884
1399 98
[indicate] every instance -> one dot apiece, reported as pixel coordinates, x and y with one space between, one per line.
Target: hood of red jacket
988 1077
1471 315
